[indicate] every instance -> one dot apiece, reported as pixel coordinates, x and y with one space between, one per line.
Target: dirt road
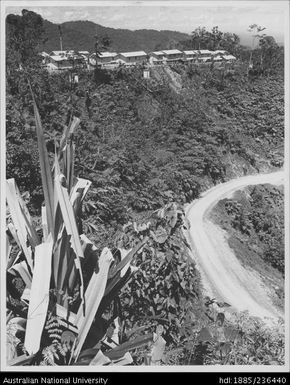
223 276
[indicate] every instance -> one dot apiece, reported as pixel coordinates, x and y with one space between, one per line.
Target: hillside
79 35
254 221
148 146
167 138
145 144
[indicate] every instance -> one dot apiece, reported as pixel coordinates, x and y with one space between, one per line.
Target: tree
265 53
255 29
101 43
24 35
269 52
200 38
216 36
230 42
212 40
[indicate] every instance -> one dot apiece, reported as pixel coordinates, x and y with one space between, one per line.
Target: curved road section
222 274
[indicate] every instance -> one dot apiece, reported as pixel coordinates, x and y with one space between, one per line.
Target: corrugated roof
59 53
136 53
191 52
58 58
108 54
171 51
157 53
203 58
229 57
204 51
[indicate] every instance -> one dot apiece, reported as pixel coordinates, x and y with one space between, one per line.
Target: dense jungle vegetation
149 146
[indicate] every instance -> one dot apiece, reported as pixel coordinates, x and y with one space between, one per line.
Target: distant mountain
247 39
79 35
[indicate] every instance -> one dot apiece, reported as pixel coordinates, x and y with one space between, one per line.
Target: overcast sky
230 16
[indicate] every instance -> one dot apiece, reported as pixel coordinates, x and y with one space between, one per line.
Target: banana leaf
59 256
79 192
125 360
116 283
46 177
67 133
8 249
121 350
68 214
112 290
44 223
39 296
128 258
23 360
22 270
68 164
100 359
18 218
91 254
15 327
93 297
68 217
13 233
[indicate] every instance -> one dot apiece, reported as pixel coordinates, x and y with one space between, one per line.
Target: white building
84 53
172 55
204 55
156 58
63 63
57 63
104 60
221 52
132 58
62 53
229 58
190 55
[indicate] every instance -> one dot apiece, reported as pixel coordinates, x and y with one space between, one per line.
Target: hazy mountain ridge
79 35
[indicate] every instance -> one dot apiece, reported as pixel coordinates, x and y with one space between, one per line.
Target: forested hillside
149 146
141 135
80 35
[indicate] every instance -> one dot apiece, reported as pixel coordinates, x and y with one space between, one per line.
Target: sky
183 16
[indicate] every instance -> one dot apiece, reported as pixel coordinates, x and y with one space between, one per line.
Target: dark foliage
259 218
79 35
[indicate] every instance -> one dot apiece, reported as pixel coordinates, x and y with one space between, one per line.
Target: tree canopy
24 34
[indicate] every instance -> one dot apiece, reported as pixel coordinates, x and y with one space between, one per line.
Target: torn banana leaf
18 219
22 270
100 359
66 209
46 177
93 297
39 296
127 259
120 350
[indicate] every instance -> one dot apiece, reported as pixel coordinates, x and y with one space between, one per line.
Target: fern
53 328
53 354
48 354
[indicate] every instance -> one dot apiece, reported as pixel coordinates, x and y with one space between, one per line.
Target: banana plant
52 261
